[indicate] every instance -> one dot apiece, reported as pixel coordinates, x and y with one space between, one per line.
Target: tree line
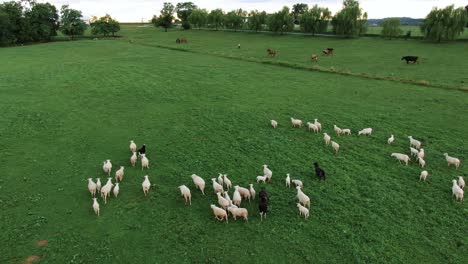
27 21
351 21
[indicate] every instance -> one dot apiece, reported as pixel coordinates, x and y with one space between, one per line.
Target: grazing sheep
245 193
220 179
220 214
414 152
267 172
92 187
142 150
319 171
263 204
116 190
185 191
133 159
327 138
346 131
298 183
312 127
107 167
337 130
199 183
423 175
461 182
261 179
106 189
365 131
421 153
119 174
401 157
414 142
422 162
303 210
226 196
452 160
288 181
302 197
132 146
146 185
335 146
227 182
316 122
252 191
296 122
98 184
222 202
390 139
457 191
96 206
144 161
274 124
216 186
236 197
239 212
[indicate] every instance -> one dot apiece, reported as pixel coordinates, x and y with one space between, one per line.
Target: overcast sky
136 10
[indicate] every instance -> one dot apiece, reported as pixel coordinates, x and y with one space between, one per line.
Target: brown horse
181 40
314 57
328 51
271 52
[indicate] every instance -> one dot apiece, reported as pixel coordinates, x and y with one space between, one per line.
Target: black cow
319 171
412 59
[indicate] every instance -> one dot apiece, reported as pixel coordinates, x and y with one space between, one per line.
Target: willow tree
444 24
391 28
315 20
350 21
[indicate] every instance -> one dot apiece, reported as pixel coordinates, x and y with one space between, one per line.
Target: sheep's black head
315 164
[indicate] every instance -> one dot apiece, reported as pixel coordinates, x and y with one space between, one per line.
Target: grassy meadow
68 106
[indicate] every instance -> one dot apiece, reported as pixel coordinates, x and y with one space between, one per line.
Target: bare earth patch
42 243
31 259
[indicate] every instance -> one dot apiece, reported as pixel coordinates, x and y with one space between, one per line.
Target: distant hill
403 21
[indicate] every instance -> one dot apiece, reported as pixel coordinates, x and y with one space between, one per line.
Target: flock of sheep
232 206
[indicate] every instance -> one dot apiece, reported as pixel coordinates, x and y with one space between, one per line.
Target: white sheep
302 197
106 189
132 146
236 197
296 122
220 214
185 192
227 182
288 181
220 179
421 153
267 172
146 185
133 159
239 212
414 142
252 191
401 157
226 196
96 206
390 139
222 202
346 131
423 175
312 127
216 186
422 162
316 122
119 174
298 183
327 138
457 191
414 152
107 167
461 182
98 184
245 193
116 190
335 146
274 124
144 161
199 183
303 210
92 187
365 131
452 160
261 179
337 130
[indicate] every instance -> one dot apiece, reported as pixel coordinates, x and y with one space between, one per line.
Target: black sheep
142 150
319 172
263 205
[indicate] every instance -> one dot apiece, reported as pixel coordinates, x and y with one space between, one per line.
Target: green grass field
67 106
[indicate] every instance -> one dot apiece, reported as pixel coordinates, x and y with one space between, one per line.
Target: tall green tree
281 21
256 20
198 18
444 24
43 19
184 10
297 10
216 18
166 17
315 20
13 26
235 19
104 25
350 21
71 22
391 28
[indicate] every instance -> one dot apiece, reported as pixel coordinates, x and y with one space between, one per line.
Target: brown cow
328 51
181 40
271 52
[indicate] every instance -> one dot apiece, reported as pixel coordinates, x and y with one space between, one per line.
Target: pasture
68 106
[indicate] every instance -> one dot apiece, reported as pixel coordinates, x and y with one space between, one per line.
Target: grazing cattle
412 59
314 57
319 171
271 52
328 51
